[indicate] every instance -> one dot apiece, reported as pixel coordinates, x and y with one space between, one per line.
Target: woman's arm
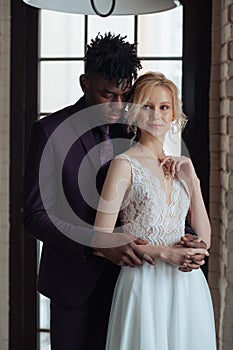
117 247
198 218
198 215
174 255
115 186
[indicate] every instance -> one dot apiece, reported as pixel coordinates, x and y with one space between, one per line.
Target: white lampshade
122 7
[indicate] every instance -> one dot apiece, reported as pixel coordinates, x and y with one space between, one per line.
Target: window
63 41
23 111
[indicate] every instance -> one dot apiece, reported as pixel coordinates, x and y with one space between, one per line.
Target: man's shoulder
53 120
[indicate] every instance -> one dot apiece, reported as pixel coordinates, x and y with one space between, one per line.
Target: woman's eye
146 107
164 107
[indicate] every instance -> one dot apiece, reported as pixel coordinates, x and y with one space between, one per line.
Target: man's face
101 91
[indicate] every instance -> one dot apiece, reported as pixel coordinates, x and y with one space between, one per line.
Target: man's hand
192 241
121 249
197 260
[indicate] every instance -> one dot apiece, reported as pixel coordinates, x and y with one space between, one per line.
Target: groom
58 203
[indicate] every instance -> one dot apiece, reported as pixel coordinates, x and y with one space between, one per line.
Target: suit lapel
80 123
83 130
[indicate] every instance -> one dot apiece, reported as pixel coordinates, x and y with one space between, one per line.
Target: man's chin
112 119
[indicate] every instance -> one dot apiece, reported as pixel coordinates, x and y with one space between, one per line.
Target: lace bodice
145 212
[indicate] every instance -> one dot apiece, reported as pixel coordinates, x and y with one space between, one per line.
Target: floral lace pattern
145 212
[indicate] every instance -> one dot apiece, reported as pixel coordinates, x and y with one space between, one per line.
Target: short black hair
112 58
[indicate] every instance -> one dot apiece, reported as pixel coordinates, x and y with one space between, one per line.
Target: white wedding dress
158 307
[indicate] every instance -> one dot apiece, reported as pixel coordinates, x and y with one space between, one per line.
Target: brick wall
221 177
214 118
4 169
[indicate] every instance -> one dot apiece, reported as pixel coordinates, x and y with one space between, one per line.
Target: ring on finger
145 256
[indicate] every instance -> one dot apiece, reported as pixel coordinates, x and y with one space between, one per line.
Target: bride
157 307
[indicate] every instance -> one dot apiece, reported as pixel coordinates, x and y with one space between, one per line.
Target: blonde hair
141 92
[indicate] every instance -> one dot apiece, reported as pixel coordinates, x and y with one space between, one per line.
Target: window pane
123 25
160 34
172 144
172 69
44 320
62 34
59 84
44 341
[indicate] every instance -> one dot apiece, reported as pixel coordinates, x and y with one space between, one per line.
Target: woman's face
157 114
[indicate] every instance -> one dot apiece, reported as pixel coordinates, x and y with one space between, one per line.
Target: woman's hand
178 256
183 257
175 165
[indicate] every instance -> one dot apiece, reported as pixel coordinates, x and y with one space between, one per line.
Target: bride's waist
167 240
164 239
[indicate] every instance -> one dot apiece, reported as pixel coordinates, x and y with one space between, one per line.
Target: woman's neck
153 145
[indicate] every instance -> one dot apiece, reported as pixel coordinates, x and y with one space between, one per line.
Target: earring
135 129
174 127
126 108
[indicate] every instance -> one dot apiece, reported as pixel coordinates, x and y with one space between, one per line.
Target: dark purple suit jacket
55 209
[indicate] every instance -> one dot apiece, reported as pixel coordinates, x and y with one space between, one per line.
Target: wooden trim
23 110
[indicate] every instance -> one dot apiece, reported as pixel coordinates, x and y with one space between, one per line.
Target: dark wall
196 81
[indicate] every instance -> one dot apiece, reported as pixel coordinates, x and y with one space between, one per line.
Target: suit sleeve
41 223
189 229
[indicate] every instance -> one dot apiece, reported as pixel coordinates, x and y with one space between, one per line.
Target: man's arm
40 219
38 215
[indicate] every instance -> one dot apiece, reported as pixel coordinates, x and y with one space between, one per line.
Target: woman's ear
83 81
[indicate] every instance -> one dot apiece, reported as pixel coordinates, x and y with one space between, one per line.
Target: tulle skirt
161 308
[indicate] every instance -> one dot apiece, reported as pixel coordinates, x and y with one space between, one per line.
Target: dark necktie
106 147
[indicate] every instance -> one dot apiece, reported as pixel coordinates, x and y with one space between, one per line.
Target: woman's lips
155 126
